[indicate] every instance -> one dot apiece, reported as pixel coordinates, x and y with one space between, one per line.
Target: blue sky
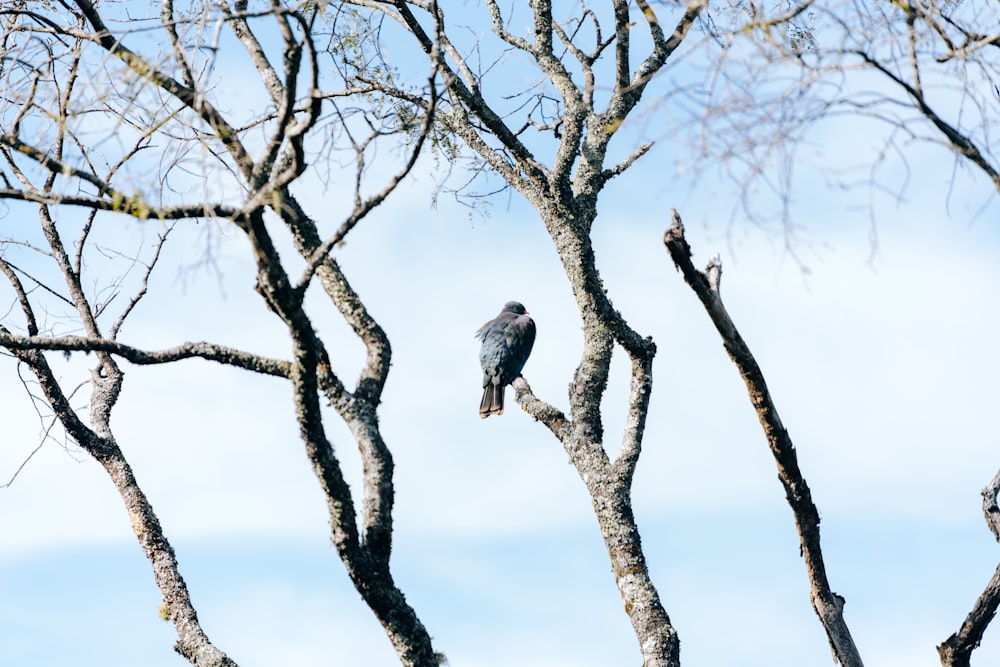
883 372
882 362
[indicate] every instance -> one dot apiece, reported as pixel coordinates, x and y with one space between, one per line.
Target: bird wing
519 338
495 352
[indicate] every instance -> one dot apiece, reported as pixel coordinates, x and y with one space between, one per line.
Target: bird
507 341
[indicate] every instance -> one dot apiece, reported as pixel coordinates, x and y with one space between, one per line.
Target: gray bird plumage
507 341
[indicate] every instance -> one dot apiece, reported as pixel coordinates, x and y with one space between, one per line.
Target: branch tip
676 226
713 271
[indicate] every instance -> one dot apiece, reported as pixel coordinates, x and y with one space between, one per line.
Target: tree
90 98
921 73
55 56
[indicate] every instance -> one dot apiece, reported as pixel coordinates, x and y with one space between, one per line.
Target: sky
881 358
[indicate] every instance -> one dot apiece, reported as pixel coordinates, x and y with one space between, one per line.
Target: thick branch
241 28
828 605
572 128
609 489
552 417
359 408
609 485
132 206
956 651
220 354
192 642
366 555
635 420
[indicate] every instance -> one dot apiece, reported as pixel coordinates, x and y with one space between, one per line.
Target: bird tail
492 403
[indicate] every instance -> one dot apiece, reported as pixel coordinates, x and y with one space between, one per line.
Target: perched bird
507 341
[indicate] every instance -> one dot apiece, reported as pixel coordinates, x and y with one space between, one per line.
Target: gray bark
564 188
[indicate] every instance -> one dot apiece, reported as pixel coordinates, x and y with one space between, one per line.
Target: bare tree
553 148
89 100
97 100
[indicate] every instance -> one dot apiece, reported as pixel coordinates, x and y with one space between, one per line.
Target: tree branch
635 418
956 651
22 297
363 208
552 417
135 206
471 98
192 642
828 605
208 351
365 555
187 96
143 288
363 542
962 144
